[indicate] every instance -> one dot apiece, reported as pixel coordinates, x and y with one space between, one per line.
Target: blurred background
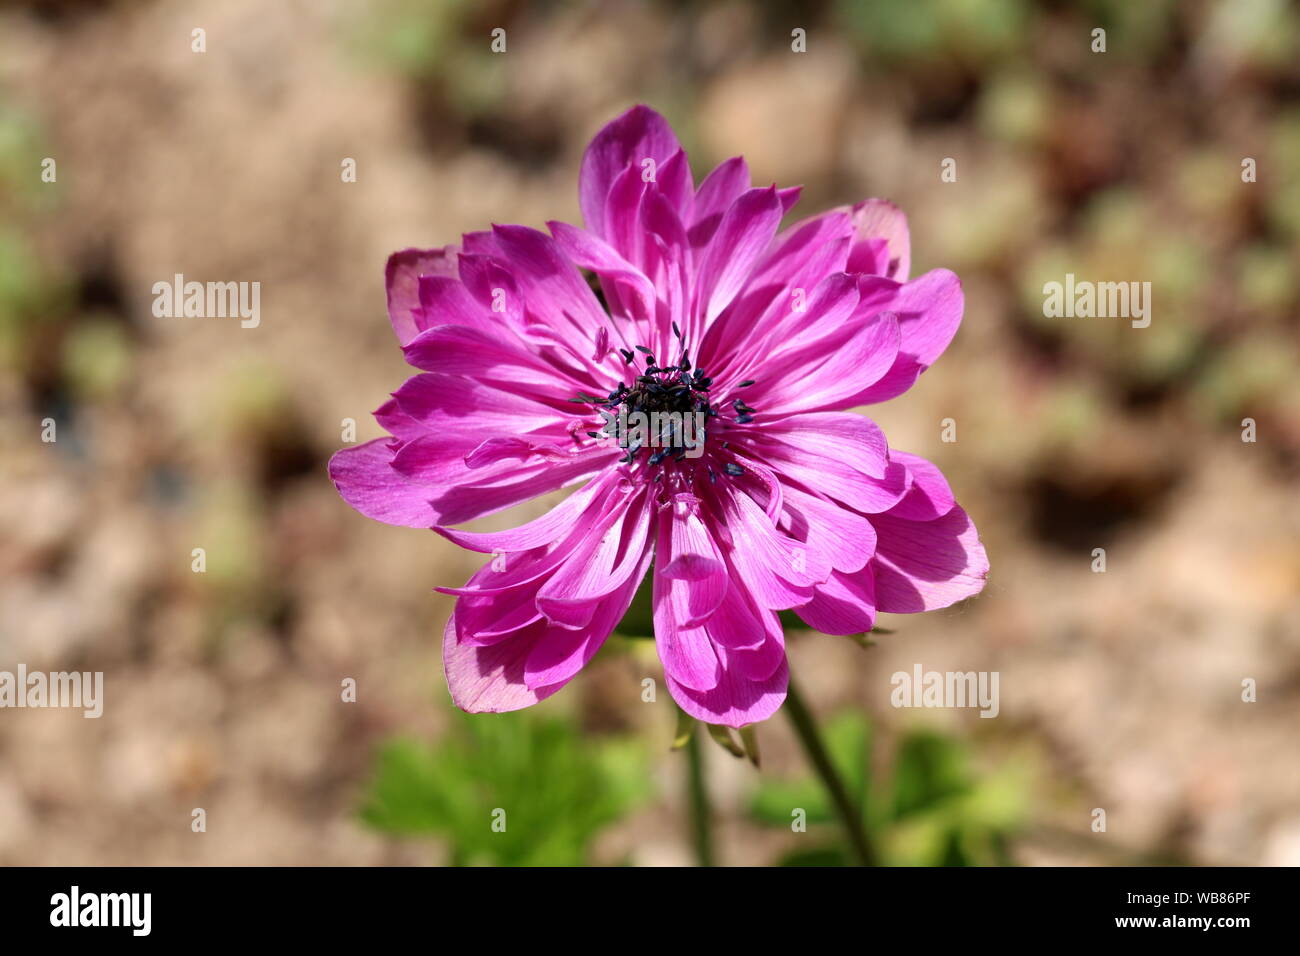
1120 690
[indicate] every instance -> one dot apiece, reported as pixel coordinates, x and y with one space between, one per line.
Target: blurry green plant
425 40
29 293
933 810
902 31
18 280
20 161
30 296
97 359
557 787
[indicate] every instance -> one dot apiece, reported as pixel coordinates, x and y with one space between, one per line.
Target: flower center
663 415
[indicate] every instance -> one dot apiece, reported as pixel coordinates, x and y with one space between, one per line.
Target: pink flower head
708 311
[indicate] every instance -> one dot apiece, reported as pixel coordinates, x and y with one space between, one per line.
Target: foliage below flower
554 790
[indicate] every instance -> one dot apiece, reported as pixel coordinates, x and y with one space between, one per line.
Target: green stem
701 816
810 737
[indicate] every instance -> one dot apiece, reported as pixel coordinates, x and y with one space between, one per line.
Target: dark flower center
665 412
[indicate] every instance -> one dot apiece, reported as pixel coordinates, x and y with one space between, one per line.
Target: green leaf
555 787
775 800
791 621
685 727
816 856
639 621
749 740
930 811
928 769
722 736
848 742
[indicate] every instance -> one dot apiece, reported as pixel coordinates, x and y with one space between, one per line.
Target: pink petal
438 402
785 262
846 538
493 294
576 511
623 229
560 653
556 294
736 700
396 422
688 655
692 568
843 604
445 301
882 246
490 679
831 373
799 261
365 478
483 619
591 252
600 566
840 479
746 230
748 638
637 135
472 353
717 192
515 577
824 323
930 496
494 451
673 181
841 437
924 565
402 280
929 310
777 570
457 493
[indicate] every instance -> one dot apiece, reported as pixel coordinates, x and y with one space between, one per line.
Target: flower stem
701 815
810 737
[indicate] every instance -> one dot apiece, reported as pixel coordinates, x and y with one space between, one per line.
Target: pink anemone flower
691 304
